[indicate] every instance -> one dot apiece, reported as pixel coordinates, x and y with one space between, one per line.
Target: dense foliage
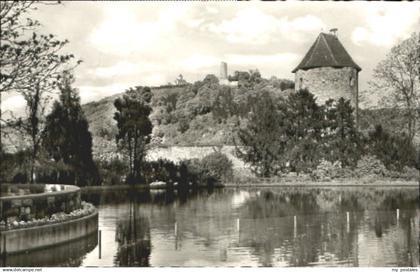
395 151
295 134
211 170
208 112
218 166
67 140
134 128
342 141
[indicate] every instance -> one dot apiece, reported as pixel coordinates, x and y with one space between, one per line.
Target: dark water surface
247 227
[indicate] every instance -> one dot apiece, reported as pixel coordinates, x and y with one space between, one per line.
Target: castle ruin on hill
327 71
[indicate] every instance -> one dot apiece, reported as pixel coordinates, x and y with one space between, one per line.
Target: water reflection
251 227
133 238
294 229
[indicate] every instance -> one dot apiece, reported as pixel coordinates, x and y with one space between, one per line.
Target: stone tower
328 71
223 70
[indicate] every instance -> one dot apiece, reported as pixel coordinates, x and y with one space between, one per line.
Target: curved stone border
18 240
26 207
86 209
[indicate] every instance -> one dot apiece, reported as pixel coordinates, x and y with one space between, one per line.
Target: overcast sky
124 44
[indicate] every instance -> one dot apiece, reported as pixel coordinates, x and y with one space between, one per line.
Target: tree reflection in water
133 238
321 234
270 227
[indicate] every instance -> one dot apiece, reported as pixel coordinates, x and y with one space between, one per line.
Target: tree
134 127
31 66
246 79
342 142
260 143
224 106
180 80
304 130
218 166
294 134
400 74
394 151
66 137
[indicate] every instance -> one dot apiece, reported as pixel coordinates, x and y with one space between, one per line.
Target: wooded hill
207 113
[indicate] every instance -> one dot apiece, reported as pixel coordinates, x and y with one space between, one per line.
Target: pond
246 227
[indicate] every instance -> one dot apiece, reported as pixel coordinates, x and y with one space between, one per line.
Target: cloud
123 68
256 27
122 34
131 43
298 28
125 31
248 26
386 24
279 59
198 61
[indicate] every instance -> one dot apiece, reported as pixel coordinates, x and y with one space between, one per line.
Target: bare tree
31 66
27 60
399 73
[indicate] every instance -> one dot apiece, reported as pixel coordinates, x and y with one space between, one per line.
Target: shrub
370 165
394 151
218 166
112 172
326 170
183 125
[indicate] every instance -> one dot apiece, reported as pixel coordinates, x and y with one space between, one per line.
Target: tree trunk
32 178
411 119
34 127
135 156
1 143
130 155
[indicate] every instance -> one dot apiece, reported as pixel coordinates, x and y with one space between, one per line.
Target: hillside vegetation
207 113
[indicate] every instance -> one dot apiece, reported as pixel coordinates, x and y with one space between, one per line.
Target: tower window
301 83
351 81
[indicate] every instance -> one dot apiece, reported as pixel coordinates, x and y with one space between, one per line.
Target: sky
125 44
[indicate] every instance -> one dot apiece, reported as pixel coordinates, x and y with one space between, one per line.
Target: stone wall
13 241
178 153
70 254
329 82
39 205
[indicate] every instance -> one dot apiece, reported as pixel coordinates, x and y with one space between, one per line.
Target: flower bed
25 202
86 209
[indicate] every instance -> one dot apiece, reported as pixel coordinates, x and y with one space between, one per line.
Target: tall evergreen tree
67 138
342 141
304 129
261 143
134 127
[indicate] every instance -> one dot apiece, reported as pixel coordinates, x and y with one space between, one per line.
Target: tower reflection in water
133 238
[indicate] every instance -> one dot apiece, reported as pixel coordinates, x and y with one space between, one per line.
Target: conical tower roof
327 51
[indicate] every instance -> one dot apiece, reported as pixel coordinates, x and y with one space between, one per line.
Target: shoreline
321 184
275 184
